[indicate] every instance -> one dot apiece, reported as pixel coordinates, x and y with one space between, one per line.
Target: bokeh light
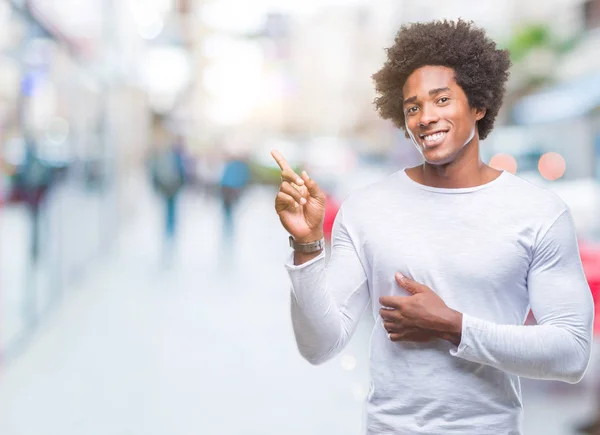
504 162
359 391
552 166
348 362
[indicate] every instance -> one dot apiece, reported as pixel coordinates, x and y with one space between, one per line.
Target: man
452 254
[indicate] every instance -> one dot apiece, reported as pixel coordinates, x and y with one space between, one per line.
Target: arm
328 300
559 347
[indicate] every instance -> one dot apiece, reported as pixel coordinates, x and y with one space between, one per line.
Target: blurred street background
142 287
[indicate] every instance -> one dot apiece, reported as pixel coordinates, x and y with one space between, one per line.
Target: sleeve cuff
306 275
290 266
469 324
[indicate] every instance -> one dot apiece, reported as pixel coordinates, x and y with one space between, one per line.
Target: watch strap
307 248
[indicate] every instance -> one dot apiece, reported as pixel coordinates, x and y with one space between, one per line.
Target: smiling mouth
433 139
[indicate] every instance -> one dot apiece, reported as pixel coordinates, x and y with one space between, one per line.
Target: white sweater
491 252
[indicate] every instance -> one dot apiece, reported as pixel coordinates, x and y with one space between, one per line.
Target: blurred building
81 81
562 115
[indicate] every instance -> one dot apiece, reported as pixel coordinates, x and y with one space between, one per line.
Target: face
438 117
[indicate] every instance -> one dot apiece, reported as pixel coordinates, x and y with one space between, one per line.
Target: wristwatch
307 248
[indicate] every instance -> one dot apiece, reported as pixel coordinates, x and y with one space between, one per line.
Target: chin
438 157
443 154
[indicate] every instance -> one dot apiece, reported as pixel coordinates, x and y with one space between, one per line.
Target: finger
393 302
394 336
386 314
287 173
390 315
396 319
283 201
293 192
391 326
290 176
394 328
281 161
412 335
410 285
313 188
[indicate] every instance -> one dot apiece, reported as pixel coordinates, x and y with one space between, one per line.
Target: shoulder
364 201
533 198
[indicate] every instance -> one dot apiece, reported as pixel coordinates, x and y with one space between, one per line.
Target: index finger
281 161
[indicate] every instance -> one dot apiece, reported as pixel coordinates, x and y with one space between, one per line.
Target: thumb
408 284
313 188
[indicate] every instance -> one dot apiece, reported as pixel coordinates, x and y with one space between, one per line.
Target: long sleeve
559 346
327 300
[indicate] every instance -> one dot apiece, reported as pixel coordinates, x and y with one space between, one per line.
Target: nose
428 116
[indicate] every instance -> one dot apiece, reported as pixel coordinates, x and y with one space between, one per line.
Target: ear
479 113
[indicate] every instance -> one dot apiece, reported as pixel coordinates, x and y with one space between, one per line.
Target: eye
443 100
411 110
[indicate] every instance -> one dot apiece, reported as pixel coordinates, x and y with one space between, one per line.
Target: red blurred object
590 257
331 209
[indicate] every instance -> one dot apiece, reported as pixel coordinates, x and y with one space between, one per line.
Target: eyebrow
431 92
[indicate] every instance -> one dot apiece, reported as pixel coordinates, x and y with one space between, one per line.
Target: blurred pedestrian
168 178
234 180
451 254
32 181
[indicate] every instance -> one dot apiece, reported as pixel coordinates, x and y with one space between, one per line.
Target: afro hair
481 69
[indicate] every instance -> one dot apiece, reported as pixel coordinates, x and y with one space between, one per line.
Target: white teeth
435 136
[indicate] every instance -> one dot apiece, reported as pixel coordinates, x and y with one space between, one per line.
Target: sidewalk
203 347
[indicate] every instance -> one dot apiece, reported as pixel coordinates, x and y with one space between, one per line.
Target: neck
465 170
